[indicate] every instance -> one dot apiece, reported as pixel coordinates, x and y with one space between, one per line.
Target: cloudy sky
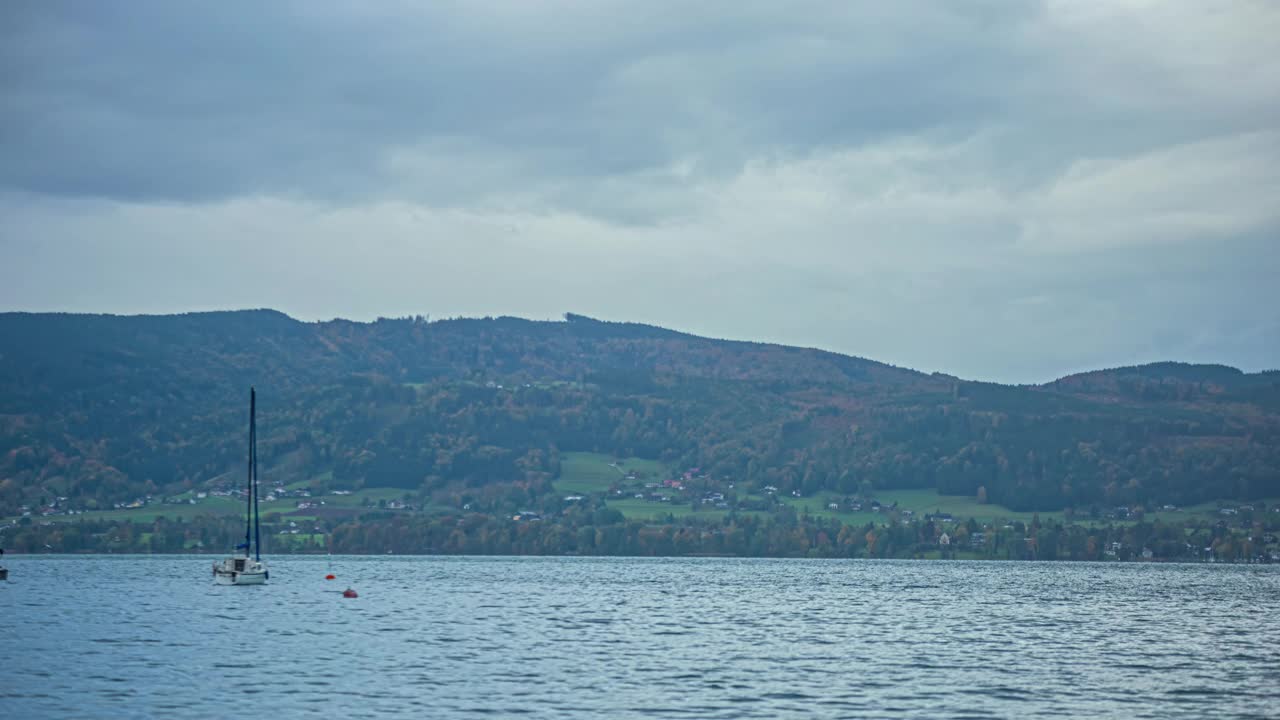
1006 191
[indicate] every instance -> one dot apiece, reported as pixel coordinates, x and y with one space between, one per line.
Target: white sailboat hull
240 579
240 571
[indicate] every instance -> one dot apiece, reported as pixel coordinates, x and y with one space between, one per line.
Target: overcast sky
1007 191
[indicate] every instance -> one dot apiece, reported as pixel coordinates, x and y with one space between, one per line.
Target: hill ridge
104 408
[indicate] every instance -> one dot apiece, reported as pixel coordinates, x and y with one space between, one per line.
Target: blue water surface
152 637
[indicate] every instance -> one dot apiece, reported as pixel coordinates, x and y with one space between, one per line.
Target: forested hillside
103 409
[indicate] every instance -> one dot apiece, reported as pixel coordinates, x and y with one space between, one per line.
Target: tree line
605 532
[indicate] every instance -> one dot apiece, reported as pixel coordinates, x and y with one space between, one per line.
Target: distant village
693 488
691 492
303 499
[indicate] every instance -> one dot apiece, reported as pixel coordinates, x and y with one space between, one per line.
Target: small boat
4 571
243 569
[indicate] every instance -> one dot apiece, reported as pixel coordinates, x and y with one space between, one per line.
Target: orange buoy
329 576
349 593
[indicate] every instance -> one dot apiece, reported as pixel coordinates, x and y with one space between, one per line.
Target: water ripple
631 638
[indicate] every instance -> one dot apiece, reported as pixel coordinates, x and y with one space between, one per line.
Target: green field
919 502
357 498
635 509
285 543
963 507
1208 509
227 506
320 479
209 506
582 472
816 506
960 506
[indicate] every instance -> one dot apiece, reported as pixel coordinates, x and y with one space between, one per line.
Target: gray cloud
162 101
1004 191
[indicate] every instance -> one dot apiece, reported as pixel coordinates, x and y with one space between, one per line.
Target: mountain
102 408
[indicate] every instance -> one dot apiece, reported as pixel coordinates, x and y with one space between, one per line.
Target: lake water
100 637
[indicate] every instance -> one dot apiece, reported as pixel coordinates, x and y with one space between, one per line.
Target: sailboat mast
248 515
257 538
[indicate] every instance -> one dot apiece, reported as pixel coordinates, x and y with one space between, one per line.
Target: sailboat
246 570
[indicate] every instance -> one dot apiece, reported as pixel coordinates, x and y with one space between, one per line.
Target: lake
151 636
